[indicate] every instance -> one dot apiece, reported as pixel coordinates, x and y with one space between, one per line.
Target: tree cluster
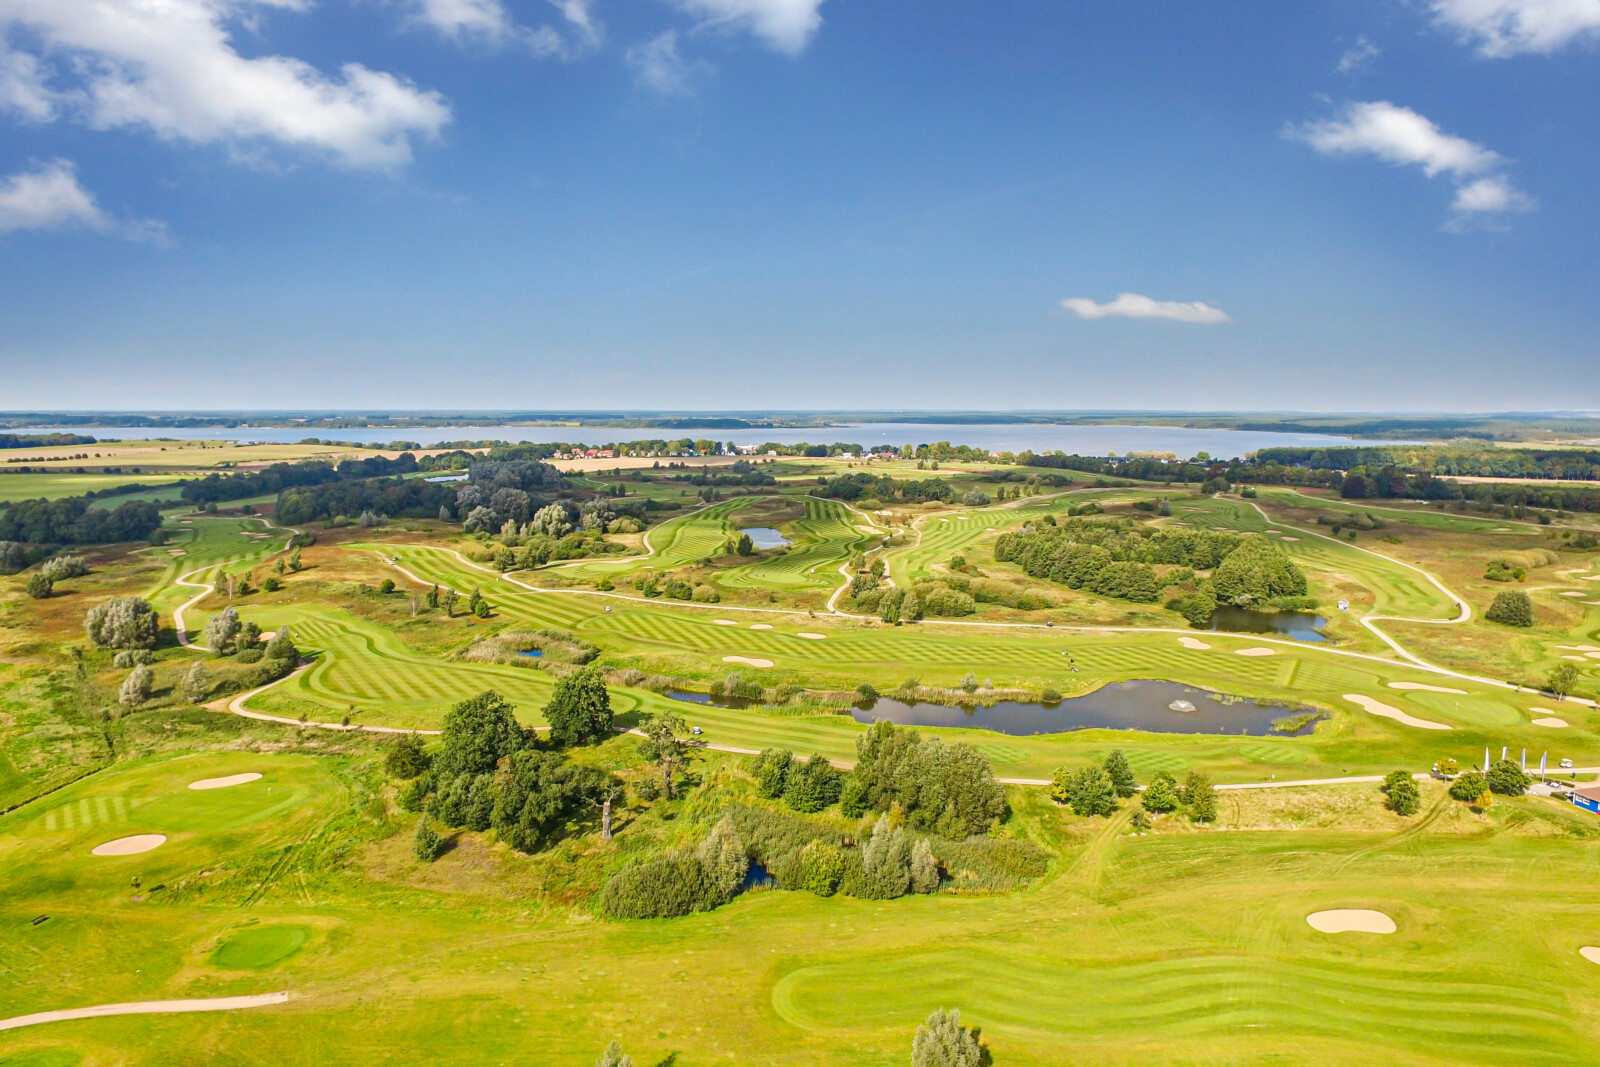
946 789
71 521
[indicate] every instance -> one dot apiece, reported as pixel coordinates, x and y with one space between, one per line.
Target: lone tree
1201 796
1404 797
613 1057
745 546
1562 680
1469 787
943 1042
40 585
136 687
579 711
661 746
126 622
427 843
1507 779
221 630
1122 779
1511 609
196 683
478 733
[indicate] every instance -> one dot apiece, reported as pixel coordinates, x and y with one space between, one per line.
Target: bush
771 771
676 884
251 655
271 585
136 687
812 786
1162 794
1201 797
1404 797
866 693
1507 779
1088 791
821 868
706 594
1511 609
126 622
39 585
1469 786
406 759
62 568
427 843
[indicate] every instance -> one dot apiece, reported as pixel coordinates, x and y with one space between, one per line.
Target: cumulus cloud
23 92
1502 28
171 68
1357 56
1400 136
48 197
1135 306
487 22
658 66
785 25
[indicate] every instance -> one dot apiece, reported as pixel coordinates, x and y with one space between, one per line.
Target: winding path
145 1007
205 590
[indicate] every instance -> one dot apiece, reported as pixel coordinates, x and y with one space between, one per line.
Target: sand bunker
761 626
1552 722
223 783
1426 688
1576 659
1351 920
1387 712
723 622
1590 953
813 637
748 661
1193 642
176 552
1256 651
1580 648
1286 537
129 846
1574 594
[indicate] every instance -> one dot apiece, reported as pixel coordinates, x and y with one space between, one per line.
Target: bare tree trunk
605 819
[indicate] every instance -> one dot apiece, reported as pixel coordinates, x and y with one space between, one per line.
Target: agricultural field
260 838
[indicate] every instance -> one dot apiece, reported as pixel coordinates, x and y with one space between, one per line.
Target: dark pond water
1300 625
533 652
758 877
1158 707
766 537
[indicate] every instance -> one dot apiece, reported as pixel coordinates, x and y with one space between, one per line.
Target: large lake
998 437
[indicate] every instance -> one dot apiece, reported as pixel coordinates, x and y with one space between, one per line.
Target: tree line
72 521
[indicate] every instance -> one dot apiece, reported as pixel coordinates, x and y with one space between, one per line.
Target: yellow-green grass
208 543
56 484
363 668
1171 947
679 541
828 535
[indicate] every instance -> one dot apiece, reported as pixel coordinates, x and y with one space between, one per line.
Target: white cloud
1357 56
785 25
1400 136
487 22
1135 306
658 66
1396 135
1492 194
22 87
1508 27
169 66
48 197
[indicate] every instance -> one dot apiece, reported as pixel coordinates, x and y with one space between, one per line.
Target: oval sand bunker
1351 920
223 783
1257 652
130 846
723 622
1192 642
1552 722
761 626
813 637
748 661
1590 953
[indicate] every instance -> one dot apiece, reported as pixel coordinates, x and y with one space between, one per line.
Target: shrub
1507 779
1511 609
678 589
943 1042
39 585
62 568
1404 797
481 609
1162 794
1050 695
811 786
251 655
136 687
821 868
406 758
427 843
271 585
386 586
866 693
196 683
676 884
1469 786
1201 797
706 594
126 622
771 771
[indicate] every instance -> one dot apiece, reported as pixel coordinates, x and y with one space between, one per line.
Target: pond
765 537
1300 625
532 652
1158 707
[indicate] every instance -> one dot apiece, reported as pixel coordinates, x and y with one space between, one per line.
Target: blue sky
1373 205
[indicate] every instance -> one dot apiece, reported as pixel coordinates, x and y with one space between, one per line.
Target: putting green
255 948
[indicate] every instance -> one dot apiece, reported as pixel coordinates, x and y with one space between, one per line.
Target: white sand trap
1351 920
1589 577
1574 594
761 626
130 846
223 783
723 622
1552 722
748 661
813 637
176 552
1193 642
1426 688
1286 537
1576 659
1590 953
1255 651
1387 712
